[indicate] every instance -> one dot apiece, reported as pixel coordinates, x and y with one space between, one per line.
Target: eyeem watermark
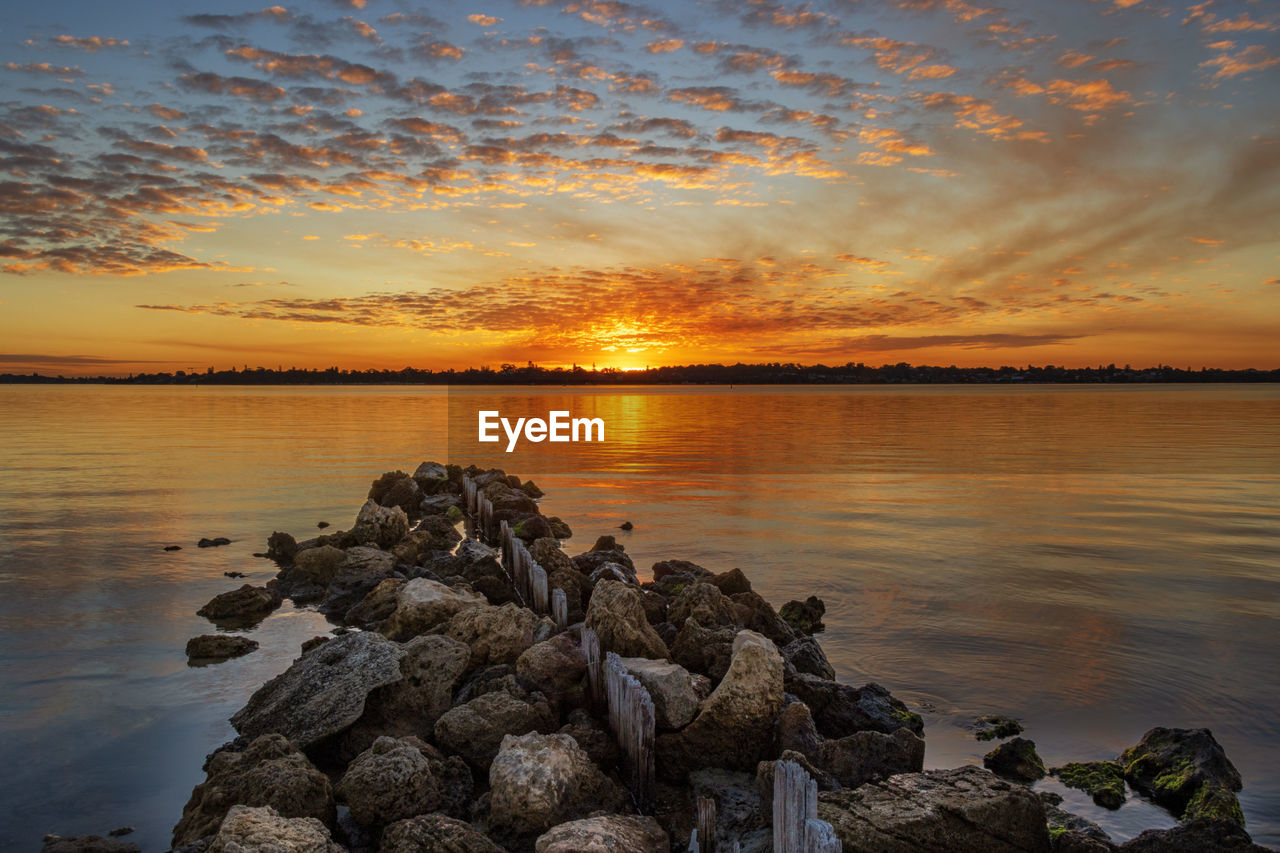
558 427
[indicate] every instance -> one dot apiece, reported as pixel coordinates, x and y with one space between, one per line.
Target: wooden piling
796 828
631 717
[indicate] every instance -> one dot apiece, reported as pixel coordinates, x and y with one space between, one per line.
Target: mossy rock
996 727
1214 801
1186 771
1016 759
454 514
1102 780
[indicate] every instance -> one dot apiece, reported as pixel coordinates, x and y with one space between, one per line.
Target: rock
475 730
435 533
1070 833
616 614
965 810
431 668
805 655
380 526
796 730
655 607
756 614
262 830
531 489
405 494
1015 759
704 650
317 565
498 634
996 727
499 677
870 756
840 710
213 543
734 729
245 605
209 647
281 547
308 645
597 741
678 567
434 833
805 616
741 814
1200 835
87 844
675 700
626 525
613 572
703 602
606 834
431 477
323 692
234 575
362 569
322 524
559 529
575 591
731 583
1186 771
423 604
439 505
606 550
269 772
1102 780
548 554
529 527
538 781
766 770
377 606
120 831
168 548
555 667
393 780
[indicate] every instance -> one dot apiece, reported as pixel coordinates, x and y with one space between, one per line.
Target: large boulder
397 489
362 569
805 655
555 667
605 834
576 589
498 634
804 616
537 781
1186 771
270 771
1016 759
435 833
263 830
1201 835
431 477
319 565
840 709
323 692
702 602
394 780
965 810
423 604
755 614
735 729
869 756
432 667
435 533
380 526
703 650
548 554
475 729
376 607
670 686
678 567
244 606
616 614
606 550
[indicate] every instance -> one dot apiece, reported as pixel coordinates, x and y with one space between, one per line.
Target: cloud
1228 64
241 87
89 44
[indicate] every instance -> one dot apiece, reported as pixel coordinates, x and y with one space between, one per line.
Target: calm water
1094 561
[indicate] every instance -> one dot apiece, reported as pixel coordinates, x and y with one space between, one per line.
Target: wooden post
706 823
560 608
595 664
631 717
796 828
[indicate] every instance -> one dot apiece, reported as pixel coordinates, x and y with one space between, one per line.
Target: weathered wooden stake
796 828
560 608
631 717
706 823
595 664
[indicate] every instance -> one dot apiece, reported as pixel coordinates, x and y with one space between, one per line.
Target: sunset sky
376 183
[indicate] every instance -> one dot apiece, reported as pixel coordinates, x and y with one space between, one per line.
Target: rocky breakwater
448 715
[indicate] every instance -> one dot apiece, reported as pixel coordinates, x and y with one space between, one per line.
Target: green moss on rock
996 727
1102 780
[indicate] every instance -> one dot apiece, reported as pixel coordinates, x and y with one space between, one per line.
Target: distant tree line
773 373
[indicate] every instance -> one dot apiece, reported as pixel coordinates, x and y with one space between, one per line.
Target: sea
1091 560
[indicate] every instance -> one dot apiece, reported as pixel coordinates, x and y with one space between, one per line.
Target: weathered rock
678 567
379 525
1071 833
324 691
475 730
431 477
1102 780
606 834
406 494
805 655
263 830
317 565
538 781
555 667
606 550
527 526
439 504
1201 835
489 679
362 569
435 833
766 770
281 547
741 814
213 647
432 667
655 607
675 699
612 572
1186 771
269 772
548 554
756 614
597 741
616 614
870 756
423 604
394 780
731 583
734 729
241 606
965 810
498 634
87 844
704 650
703 602
996 727
805 616
575 588
559 529
1015 759
377 606
216 542
796 730
435 533
840 710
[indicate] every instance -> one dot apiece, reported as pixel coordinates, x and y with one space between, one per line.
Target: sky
381 184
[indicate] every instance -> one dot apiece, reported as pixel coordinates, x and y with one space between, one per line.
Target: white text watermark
558 427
